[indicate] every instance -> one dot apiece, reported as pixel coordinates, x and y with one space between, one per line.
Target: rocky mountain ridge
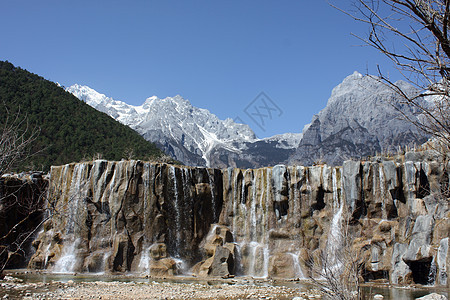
361 118
190 134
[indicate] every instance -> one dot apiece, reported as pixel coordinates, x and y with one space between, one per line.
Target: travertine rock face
108 215
142 217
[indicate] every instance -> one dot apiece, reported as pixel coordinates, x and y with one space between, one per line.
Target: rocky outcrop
268 222
433 296
221 254
160 264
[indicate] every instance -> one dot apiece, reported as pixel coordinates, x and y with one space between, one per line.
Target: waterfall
234 186
266 223
253 247
297 268
213 196
144 262
177 212
243 206
433 272
47 249
296 211
77 193
256 240
382 190
335 234
68 259
252 230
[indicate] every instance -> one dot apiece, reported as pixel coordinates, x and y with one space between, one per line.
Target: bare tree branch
16 137
413 34
336 269
21 199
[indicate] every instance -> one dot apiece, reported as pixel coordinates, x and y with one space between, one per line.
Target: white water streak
177 212
335 234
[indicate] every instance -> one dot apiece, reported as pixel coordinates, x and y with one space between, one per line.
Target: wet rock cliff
166 220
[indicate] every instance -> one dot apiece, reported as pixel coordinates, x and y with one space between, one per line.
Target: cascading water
68 259
256 240
265 224
253 243
144 262
433 272
382 190
119 211
234 186
296 192
77 193
335 235
47 250
296 174
252 228
177 212
297 269
243 206
213 194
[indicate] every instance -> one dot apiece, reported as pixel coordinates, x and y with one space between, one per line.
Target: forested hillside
69 130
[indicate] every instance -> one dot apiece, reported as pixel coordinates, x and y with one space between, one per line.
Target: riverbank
89 288
25 284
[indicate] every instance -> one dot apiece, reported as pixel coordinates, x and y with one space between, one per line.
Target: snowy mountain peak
196 129
87 94
358 120
150 99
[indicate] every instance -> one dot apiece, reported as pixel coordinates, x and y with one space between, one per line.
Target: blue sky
218 54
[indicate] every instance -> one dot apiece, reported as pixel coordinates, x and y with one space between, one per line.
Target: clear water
368 291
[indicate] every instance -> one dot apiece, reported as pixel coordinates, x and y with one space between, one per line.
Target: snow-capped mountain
190 134
363 116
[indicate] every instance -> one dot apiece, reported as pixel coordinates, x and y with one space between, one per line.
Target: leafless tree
16 137
336 268
414 35
21 202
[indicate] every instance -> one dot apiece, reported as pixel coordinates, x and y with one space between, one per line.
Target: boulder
223 263
158 251
163 267
400 271
433 296
219 252
419 246
160 264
